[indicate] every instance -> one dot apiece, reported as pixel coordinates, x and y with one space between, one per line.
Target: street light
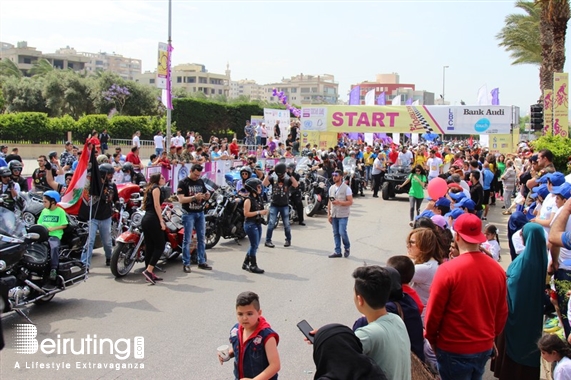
443 82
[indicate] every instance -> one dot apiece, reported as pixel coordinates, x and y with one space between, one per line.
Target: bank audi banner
450 120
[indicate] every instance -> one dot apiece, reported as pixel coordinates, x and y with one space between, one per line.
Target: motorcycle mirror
142 184
32 236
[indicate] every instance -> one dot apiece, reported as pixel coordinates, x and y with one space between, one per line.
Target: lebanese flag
72 199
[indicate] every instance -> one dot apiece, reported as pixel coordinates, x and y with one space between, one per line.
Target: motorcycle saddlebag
70 268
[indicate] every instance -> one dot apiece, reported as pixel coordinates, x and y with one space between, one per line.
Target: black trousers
377 182
298 205
154 239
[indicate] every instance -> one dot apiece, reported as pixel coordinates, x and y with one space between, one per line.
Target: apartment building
248 88
305 89
391 86
125 67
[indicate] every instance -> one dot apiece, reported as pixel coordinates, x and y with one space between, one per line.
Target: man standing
159 143
338 209
468 306
192 193
296 196
3 151
178 140
67 158
378 172
280 201
133 157
104 141
102 208
368 159
434 165
43 176
545 162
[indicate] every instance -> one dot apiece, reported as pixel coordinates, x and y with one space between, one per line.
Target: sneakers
156 278
186 268
335 255
204 266
53 275
346 253
108 262
484 218
287 243
269 244
149 277
506 213
301 223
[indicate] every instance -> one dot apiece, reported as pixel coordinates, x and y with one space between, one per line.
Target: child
55 220
254 341
405 266
556 351
492 246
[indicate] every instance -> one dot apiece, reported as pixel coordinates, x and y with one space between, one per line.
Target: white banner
272 116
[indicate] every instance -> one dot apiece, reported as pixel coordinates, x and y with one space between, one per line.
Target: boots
246 265
254 266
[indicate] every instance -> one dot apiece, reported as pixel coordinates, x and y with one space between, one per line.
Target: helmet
247 170
332 156
351 152
252 185
128 167
68 174
5 172
52 195
52 154
106 169
102 159
252 158
280 168
291 166
324 156
310 155
15 165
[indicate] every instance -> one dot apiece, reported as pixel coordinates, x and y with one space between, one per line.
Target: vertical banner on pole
548 112
162 66
560 104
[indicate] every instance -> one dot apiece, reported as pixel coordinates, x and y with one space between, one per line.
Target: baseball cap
556 179
68 143
466 203
173 147
439 221
454 185
454 213
542 191
442 202
564 190
534 158
426 214
457 196
469 228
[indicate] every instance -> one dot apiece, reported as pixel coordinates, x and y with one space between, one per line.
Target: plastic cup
224 352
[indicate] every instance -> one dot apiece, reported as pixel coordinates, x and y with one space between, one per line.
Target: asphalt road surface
187 316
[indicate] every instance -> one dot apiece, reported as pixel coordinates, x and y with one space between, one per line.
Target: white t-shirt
494 248
547 208
159 141
465 189
562 369
405 158
434 164
136 141
422 280
518 242
177 141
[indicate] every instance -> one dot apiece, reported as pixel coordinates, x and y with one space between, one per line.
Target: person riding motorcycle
295 194
10 190
16 170
245 174
130 175
313 164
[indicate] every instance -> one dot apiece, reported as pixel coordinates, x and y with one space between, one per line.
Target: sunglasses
335 175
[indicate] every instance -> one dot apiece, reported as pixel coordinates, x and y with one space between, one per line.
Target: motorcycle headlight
322 185
219 198
136 219
125 215
2 265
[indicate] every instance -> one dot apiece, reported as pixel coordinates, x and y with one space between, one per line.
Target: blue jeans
194 221
158 151
104 228
254 232
340 233
284 212
462 366
368 171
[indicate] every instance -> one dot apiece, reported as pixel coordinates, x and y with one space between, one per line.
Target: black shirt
102 206
188 187
477 195
256 204
40 180
280 190
149 202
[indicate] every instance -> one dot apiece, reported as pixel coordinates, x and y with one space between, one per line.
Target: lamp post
169 78
443 82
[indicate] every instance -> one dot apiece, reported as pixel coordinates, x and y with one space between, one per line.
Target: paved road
185 318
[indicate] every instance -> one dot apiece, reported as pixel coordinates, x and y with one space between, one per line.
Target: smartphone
305 328
331 199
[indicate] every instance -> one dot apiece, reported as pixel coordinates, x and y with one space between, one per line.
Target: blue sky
268 40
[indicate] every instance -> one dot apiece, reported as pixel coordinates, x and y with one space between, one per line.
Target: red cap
454 186
469 227
173 147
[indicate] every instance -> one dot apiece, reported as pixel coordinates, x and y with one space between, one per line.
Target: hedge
559 146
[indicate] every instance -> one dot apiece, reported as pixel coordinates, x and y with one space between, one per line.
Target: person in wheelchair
54 219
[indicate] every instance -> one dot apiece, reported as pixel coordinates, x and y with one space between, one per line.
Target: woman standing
518 355
153 226
508 180
253 211
250 134
136 140
417 180
501 164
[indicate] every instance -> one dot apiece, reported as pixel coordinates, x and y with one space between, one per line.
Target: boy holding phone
254 338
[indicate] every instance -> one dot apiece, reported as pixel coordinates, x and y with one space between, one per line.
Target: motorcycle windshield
10 224
210 184
302 165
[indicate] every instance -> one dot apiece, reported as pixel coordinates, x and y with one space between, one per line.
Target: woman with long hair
501 164
418 181
557 352
423 249
153 226
253 212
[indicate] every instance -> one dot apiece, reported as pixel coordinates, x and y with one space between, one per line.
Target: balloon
281 94
437 188
274 92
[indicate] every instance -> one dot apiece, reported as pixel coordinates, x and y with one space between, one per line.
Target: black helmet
128 167
324 156
15 165
247 170
291 166
5 172
332 156
106 169
280 168
310 155
52 154
252 185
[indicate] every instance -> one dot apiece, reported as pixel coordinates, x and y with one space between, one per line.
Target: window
213 91
304 90
152 81
27 60
202 80
294 90
178 79
99 63
70 65
219 92
313 89
190 79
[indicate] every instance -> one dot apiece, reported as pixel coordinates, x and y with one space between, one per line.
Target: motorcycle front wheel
121 261
312 205
212 233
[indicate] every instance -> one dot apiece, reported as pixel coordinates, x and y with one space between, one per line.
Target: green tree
23 94
67 92
1 101
41 67
520 35
9 69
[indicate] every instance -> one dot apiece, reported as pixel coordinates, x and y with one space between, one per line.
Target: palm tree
520 35
558 17
9 69
41 67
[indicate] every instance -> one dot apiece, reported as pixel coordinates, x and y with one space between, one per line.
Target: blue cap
457 196
564 190
542 191
466 203
556 179
426 214
543 178
454 213
442 202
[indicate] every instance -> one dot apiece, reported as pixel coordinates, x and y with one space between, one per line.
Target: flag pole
169 83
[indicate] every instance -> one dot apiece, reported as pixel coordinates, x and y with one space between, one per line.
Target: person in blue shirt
488 177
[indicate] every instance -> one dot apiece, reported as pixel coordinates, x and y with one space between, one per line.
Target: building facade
391 86
247 88
305 90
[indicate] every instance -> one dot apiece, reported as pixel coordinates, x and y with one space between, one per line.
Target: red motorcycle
130 200
130 247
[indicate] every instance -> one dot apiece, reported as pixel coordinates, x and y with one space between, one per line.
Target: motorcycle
130 247
130 199
24 265
353 177
316 188
226 219
32 207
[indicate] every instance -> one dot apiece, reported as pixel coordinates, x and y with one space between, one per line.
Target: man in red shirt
467 307
234 148
133 157
394 154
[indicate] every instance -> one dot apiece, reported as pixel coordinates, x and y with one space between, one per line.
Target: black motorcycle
226 219
24 265
317 197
